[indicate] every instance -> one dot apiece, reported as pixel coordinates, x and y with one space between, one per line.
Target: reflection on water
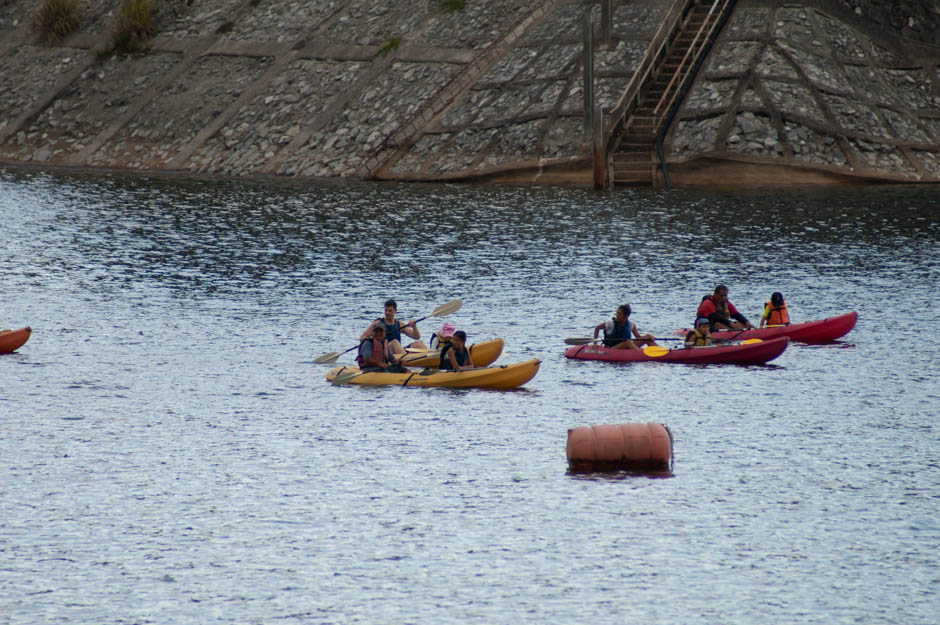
168 447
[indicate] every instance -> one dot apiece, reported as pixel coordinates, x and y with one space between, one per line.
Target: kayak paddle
585 341
441 311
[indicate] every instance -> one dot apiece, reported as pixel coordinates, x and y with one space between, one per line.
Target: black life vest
461 355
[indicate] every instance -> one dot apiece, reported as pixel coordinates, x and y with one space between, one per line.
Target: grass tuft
136 22
451 6
389 46
57 19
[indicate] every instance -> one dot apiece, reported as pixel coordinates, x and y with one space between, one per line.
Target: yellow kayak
502 376
484 354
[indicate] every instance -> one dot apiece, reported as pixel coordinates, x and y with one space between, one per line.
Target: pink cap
447 329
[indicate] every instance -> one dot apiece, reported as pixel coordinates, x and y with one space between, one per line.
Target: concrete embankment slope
400 89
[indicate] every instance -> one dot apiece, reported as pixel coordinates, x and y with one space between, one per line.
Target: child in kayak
775 311
443 336
455 355
700 336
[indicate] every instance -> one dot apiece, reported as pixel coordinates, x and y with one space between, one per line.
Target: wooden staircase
657 88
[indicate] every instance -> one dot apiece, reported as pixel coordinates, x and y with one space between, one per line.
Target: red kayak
756 353
11 340
822 331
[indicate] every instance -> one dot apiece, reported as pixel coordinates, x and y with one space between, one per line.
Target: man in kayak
621 333
775 311
700 336
719 311
394 329
375 354
455 355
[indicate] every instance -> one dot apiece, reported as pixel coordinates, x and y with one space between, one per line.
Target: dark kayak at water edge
756 353
822 331
12 340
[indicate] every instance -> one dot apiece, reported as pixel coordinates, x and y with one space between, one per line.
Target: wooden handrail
645 73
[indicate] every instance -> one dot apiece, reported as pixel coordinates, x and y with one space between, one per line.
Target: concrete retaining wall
301 89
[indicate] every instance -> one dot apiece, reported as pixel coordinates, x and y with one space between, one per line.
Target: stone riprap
401 89
801 84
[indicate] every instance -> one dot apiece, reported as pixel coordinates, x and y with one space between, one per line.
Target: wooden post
600 149
588 76
607 10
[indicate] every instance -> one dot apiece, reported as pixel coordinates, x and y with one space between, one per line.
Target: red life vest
776 315
379 352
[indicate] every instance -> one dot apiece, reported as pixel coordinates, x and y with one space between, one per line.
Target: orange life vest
776 315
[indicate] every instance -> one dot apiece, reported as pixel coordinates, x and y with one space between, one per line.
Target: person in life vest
700 336
775 311
394 329
455 355
376 355
719 311
621 333
443 336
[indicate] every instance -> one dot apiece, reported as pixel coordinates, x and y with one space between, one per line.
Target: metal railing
659 48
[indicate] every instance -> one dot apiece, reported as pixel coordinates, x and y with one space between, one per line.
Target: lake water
169 453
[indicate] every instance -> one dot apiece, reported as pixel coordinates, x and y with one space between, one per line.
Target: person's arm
453 359
738 316
599 327
635 330
368 333
411 329
690 339
765 316
469 360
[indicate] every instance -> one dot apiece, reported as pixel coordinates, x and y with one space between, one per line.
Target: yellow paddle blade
751 341
655 350
447 309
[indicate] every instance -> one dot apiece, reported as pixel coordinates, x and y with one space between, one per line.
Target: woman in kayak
700 336
621 333
394 329
455 355
719 311
775 311
375 353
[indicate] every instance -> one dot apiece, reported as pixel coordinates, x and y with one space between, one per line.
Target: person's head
378 332
447 330
776 298
460 338
390 309
721 292
623 312
702 324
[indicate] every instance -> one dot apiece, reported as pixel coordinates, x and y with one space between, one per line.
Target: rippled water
170 454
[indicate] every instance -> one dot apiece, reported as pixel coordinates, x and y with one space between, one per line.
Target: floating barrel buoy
632 446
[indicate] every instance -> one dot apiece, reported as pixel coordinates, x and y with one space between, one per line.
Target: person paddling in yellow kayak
394 329
621 333
375 353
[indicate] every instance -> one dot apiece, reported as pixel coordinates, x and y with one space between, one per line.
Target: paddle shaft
585 341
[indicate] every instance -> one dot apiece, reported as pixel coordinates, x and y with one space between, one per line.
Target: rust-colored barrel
633 446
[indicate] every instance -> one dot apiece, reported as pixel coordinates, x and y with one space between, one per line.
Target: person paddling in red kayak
719 311
394 329
621 333
699 336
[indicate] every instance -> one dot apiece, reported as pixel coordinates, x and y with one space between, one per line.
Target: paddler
375 353
719 311
621 333
394 329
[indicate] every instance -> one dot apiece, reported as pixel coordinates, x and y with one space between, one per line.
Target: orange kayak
12 340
